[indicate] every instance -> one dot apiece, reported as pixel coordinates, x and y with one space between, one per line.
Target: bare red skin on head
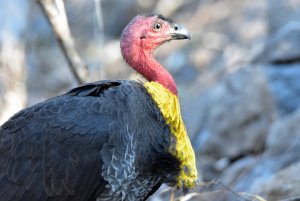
138 41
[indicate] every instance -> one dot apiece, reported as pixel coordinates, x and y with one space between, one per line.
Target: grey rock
282 47
239 111
180 67
250 174
273 174
286 183
233 173
280 12
284 134
284 84
113 24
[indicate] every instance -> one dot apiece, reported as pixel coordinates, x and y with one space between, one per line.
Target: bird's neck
143 62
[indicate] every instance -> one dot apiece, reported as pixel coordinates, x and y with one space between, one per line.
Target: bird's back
102 140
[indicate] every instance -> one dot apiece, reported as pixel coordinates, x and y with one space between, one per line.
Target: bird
106 140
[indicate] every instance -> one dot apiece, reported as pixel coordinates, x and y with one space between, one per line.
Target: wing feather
97 139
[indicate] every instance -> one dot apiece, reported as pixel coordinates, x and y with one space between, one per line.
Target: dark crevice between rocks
243 155
292 60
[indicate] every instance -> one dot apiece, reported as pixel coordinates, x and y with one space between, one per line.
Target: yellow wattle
182 149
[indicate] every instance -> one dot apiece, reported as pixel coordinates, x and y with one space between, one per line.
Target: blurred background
238 78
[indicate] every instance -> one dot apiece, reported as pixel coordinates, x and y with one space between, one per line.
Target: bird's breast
180 147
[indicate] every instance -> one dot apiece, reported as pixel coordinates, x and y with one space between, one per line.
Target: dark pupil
157 26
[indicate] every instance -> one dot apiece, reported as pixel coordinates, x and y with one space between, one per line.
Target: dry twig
55 12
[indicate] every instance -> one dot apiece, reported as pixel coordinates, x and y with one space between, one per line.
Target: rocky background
238 78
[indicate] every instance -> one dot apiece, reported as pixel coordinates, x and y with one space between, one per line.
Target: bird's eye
157 26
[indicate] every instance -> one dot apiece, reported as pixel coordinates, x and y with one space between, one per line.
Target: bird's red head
141 36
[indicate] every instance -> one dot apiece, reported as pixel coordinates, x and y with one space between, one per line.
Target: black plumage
105 140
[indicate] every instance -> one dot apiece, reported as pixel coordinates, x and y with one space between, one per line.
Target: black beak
179 32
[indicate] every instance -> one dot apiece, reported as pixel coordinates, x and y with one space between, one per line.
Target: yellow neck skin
182 149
